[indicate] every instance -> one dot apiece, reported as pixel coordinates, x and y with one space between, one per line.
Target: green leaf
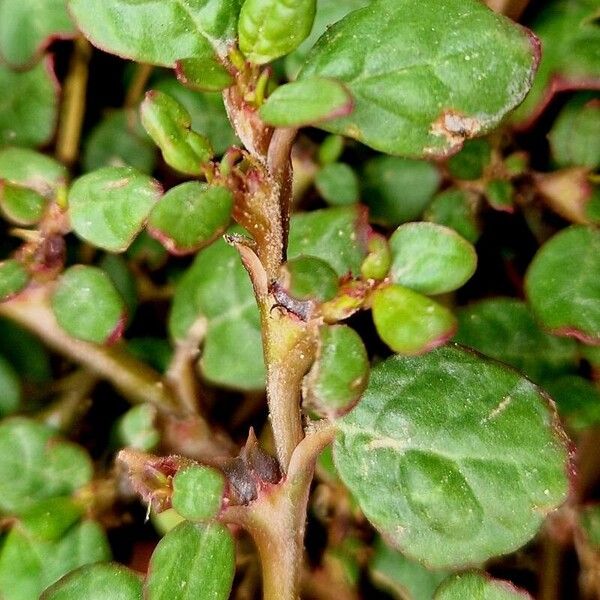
338 184
136 428
339 374
97 582
169 124
109 206
563 284
578 401
158 33
328 13
28 564
306 102
87 305
206 74
119 140
456 208
427 76
471 161
10 388
410 323
504 329
192 561
570 39
26 168
217 288
430 258
198 493
20 205
28 27
190 216
575 135
312 278
207 111
478 586
268 29
402 578
32 466
336 235
13 278
397 190
29 107
432 442
49 519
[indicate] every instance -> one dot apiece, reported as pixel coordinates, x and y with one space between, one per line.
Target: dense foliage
299 299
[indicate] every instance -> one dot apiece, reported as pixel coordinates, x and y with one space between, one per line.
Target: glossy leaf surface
192 561
410 323
190 216
563 284
339 374
34 466
109 206
478 586
169 124
158 33
430 258
20 205
97 582
450 428
198 493
306 102
87 305
268 29
424 76
29 105
328 12
397 190
27 27
206 74
32 170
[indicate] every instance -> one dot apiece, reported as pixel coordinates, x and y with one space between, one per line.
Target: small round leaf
13 278
430 258
87 306
190 216
109 206
338 184
198 493
312 278
410 323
